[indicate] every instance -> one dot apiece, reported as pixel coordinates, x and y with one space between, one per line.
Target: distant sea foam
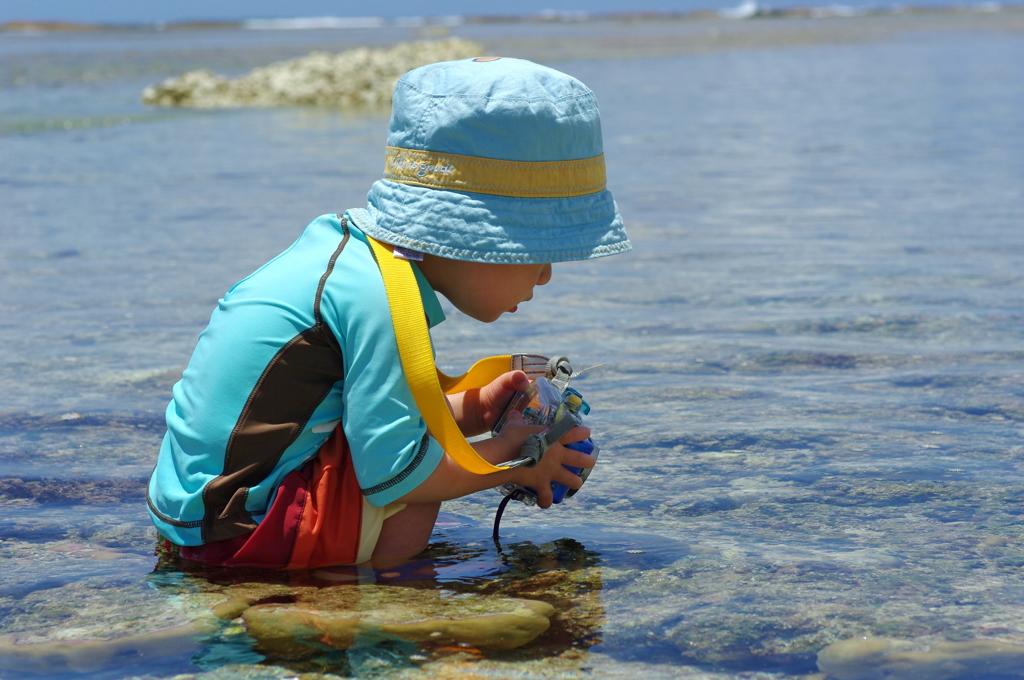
746 9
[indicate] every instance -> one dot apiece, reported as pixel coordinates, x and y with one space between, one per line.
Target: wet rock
92 552
82 656
877 658
102 606
346 617
249 671
575 595
705 507
357 79
65 490
884 493
993 543
806 360
231 608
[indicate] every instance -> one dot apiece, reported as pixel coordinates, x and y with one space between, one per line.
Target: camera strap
537 444
428 384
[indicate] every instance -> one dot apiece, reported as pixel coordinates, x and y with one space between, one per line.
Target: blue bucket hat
494 160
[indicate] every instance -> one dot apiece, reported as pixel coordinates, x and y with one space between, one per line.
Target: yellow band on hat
518 179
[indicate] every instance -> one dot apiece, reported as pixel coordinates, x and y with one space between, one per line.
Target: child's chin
486 317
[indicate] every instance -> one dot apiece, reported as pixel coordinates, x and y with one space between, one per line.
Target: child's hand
477 411
495 397
450 480
549 469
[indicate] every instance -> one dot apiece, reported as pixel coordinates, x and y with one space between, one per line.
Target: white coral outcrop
356 79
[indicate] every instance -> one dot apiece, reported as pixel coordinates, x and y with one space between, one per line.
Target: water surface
812 418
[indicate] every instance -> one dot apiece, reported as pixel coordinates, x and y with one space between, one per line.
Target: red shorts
319 518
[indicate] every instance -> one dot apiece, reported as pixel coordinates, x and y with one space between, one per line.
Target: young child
293 439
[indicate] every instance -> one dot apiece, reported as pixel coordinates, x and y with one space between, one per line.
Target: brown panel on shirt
292 386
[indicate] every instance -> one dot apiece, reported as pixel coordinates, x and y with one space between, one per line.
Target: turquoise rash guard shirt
304 343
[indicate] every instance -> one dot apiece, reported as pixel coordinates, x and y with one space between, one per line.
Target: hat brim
498 229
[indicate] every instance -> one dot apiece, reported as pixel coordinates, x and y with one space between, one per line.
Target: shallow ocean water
812 413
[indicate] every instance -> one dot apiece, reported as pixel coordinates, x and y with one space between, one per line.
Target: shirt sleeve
391 450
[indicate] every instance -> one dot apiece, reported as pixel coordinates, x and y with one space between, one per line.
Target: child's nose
545 275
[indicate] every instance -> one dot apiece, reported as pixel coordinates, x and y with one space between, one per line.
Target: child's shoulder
351 290
326 246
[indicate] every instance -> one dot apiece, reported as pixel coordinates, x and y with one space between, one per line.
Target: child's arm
450 480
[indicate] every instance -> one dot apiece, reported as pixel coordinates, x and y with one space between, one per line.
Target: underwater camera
549 401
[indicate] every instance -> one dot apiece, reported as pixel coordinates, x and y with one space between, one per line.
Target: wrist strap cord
537 444
516 495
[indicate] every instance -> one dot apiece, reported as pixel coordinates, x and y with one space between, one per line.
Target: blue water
812 418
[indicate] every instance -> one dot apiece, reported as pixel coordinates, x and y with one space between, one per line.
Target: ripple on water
97 445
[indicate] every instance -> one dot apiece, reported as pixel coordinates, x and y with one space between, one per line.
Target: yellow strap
425 380
482 373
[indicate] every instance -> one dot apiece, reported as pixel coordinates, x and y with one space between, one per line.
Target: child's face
484 291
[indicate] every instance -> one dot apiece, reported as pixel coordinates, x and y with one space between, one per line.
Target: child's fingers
578 459
544 497
576 434
513 381
567 477
516 425
515 418
494 398
517 381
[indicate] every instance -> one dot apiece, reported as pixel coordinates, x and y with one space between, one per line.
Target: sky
152 11
148 11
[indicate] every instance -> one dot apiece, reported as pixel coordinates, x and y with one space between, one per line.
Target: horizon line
747 9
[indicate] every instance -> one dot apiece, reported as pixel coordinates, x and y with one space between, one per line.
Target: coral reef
357 79
367 615
300 619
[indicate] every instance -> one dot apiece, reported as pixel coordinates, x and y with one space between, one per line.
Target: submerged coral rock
574 593
356 79
83 656
352 617
875 658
